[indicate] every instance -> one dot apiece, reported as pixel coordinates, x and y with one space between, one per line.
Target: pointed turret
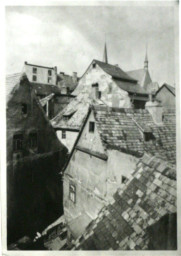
146 61
105 58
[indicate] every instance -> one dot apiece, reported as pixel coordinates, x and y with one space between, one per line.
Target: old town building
142 214
106 151
34 159
107 85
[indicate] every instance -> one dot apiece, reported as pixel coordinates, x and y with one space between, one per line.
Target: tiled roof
147 197
122 129
45 89
74 114
46 99
11 82
114 71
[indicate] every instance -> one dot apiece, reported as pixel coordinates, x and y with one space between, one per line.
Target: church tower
146 61
105 58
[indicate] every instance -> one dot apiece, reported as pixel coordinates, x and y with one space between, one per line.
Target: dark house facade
34 159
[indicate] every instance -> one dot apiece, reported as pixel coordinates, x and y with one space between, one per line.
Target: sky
70 37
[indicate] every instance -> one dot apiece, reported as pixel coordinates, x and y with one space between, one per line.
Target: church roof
142 202
142 76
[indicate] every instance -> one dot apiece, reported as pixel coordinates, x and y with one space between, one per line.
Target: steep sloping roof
147 197
122 129
11 82
169 87
74 114
114 71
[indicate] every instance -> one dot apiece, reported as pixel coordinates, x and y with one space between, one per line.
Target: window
49 79
91 126
99 94
49 72
72 193
34 78
34 70
124 179
18 142
95 85
63 134
148 136
24 109
94 65
33 140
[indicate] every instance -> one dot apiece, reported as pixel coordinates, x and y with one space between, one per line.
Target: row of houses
94 130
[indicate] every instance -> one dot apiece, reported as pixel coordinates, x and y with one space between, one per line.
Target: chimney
55 70
156 111
74 77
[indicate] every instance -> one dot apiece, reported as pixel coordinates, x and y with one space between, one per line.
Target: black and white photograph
92 107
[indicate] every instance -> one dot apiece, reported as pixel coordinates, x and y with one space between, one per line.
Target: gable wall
166 97
112 95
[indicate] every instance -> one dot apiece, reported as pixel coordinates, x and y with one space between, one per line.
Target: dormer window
148 136
91 127
94 65
34 70
49 72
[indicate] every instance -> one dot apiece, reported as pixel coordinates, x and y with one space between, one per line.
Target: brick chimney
156 111
74 77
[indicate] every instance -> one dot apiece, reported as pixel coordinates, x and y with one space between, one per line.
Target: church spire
105 58
146 60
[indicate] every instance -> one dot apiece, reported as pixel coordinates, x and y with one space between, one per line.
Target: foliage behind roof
45 89
147 197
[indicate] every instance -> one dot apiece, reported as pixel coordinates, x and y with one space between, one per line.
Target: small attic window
148 136
99 94
94 65
34 70
91 127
